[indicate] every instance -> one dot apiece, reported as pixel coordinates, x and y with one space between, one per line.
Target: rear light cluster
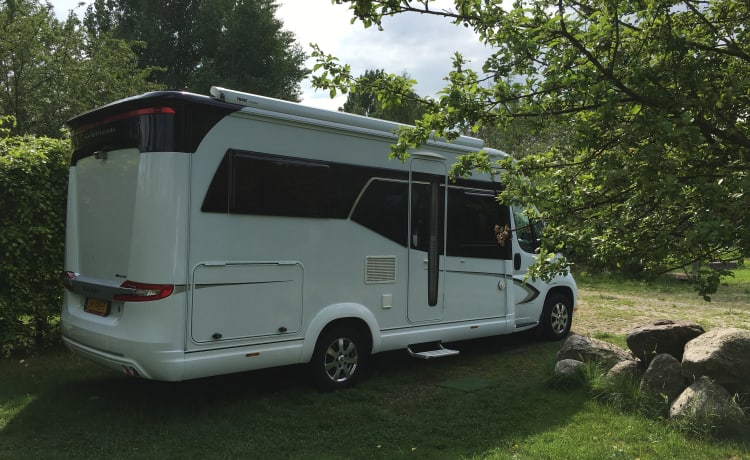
142 292
67 280
128 291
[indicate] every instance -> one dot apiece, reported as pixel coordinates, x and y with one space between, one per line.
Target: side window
527 232
279 186
274 185
478 226
383 208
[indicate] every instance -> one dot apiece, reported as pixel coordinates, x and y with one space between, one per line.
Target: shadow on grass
68 408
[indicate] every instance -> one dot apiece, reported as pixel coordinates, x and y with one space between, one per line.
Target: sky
420 45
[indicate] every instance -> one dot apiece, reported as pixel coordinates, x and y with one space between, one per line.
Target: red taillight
67 280
142 292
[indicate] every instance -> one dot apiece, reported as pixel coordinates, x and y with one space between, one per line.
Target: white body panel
253 290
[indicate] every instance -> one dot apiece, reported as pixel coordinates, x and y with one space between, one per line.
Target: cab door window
528 232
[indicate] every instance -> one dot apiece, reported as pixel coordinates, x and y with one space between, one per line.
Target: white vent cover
380 269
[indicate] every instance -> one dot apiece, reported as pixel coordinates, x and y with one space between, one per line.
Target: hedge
33 191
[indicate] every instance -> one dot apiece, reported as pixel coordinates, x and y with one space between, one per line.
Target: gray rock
662 336
663 378
706 403
568 367
721 354
587 349
629 369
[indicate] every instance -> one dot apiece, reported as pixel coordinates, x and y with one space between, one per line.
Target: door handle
517 261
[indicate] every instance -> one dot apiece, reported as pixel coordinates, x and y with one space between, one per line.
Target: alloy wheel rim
559 318
341 360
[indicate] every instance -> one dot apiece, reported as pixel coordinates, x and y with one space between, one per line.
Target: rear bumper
167 365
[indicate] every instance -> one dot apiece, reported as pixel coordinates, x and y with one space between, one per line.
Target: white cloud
420 45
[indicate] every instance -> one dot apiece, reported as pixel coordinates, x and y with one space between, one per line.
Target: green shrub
33 191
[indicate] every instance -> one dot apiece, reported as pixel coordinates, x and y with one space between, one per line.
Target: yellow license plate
96 306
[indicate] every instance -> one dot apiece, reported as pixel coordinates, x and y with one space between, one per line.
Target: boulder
628 369
587 349
706 403
568 367
663 378
662 336
722 355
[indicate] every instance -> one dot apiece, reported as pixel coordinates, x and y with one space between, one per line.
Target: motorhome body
209 235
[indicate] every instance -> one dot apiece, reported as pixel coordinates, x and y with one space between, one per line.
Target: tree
523 136
165 28
52 70
653 171
199 43
363 100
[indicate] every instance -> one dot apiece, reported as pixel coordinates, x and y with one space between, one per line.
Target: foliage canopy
199 43
52 70
651 173
363 99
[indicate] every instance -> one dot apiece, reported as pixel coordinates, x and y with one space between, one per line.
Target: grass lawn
491 402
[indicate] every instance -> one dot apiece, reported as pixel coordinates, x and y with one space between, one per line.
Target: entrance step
434 350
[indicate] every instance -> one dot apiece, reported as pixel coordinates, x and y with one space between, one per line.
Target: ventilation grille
380 269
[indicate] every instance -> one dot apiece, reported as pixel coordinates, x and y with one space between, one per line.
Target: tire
340 358
557 317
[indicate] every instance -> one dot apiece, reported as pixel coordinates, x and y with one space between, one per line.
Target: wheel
557 317
339 358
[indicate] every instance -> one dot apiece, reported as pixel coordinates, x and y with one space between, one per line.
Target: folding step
439 352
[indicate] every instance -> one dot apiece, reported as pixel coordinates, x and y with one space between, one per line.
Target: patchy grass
611 305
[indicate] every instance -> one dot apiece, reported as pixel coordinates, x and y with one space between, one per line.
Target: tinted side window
383 208
426 189
279 186
472 219
275 185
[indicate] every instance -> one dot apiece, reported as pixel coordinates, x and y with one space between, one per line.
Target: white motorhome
210 235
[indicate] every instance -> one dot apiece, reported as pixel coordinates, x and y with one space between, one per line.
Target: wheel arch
344 315
565 291
549 319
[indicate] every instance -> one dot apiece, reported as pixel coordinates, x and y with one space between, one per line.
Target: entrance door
427 198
